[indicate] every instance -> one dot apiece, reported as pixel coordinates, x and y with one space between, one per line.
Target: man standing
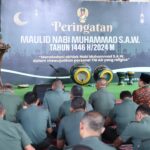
36 121
68 131
101 100
138 131
12 135
142 95
91 127
54 99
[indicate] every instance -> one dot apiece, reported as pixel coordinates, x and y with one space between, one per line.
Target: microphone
57 71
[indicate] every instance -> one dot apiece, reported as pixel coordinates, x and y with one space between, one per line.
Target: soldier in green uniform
102 100
138 131
76 91
91 127
54 99
68 131
123 113
36 121
81 147
12 135
11 102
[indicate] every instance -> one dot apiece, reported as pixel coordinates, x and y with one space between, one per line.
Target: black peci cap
145 78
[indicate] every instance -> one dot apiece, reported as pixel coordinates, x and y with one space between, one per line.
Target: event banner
48 37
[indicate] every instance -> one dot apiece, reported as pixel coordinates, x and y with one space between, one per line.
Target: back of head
125 94
81 147
101 82
77 91
144 109
30 97
78 103
57 84
93 120
6 88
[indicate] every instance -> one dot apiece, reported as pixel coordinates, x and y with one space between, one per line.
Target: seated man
12 135
76 91
91 127
142 95
138 131
53 99
68 131
36 121
122 114
102 100
11 102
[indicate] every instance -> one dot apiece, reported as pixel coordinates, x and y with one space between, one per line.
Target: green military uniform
12 136
11 103
123 113
95 143
102 101
35 121
69 128
65 108
139 132
53 100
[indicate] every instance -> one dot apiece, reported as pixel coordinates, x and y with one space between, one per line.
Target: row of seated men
67 119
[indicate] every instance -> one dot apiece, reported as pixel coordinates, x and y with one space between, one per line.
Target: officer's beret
145 77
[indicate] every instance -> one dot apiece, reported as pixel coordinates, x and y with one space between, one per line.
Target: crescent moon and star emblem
17 19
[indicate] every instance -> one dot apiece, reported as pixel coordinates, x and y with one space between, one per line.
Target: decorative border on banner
34 76
134 69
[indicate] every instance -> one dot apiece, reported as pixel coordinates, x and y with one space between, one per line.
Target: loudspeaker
121 76
40 90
